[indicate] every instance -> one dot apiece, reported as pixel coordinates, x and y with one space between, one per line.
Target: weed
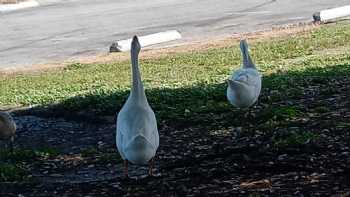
279 113
23 155
89 152
294 139
12 172
110 158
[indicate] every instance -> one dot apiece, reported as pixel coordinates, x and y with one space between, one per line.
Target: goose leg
12 144
249 114
5 144
126 168
151 165
246 113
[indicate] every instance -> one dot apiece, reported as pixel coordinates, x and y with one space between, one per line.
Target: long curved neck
247 61
137 91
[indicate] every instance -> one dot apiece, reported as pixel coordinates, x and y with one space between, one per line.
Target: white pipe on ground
151 39
329 14
18 6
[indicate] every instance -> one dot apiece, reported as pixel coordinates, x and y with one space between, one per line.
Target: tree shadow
201 102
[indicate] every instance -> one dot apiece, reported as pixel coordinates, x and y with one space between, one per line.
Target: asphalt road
63 29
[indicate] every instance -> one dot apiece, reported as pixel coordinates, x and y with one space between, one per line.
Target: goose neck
137 90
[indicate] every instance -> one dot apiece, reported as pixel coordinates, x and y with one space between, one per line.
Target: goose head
135 45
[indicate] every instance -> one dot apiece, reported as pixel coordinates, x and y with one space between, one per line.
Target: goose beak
135 44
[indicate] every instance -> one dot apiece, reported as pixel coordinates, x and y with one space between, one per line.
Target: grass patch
321 109
293 139
280 113
343 125
12 163
17 155
184 86
47 152
23 155
102 157
89 152
110 157
12 172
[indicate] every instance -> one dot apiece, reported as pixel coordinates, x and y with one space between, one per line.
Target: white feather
137 134
244 85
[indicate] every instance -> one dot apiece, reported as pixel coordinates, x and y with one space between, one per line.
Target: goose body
244 85
7 127
137 134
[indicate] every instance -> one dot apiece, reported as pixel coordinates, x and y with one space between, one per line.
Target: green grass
281 113
89 152
12 172
185 85
110 158
102 157
12 163
293 139
23 155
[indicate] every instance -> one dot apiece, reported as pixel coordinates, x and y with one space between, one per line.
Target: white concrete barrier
329 14
18 6
151 39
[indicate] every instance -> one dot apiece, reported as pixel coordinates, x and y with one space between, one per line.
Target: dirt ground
232 153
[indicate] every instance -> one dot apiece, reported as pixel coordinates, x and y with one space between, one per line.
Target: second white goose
7 127
244 85
137 134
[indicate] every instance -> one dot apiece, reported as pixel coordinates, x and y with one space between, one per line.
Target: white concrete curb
18 6
151 39
326 15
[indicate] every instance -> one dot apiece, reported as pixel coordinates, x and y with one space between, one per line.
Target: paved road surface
62 29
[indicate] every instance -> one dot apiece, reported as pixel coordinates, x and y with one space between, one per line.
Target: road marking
329 14
151 39
18 6
254 12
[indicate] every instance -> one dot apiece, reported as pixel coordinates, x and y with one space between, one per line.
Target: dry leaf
261 184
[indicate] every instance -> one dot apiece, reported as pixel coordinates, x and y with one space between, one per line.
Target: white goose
244 86
137 134
7 127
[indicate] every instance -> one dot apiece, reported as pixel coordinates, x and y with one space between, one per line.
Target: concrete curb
18 6
151 39
329 14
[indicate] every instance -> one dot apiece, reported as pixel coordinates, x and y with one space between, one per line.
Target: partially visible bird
7 128
137 134
244 85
